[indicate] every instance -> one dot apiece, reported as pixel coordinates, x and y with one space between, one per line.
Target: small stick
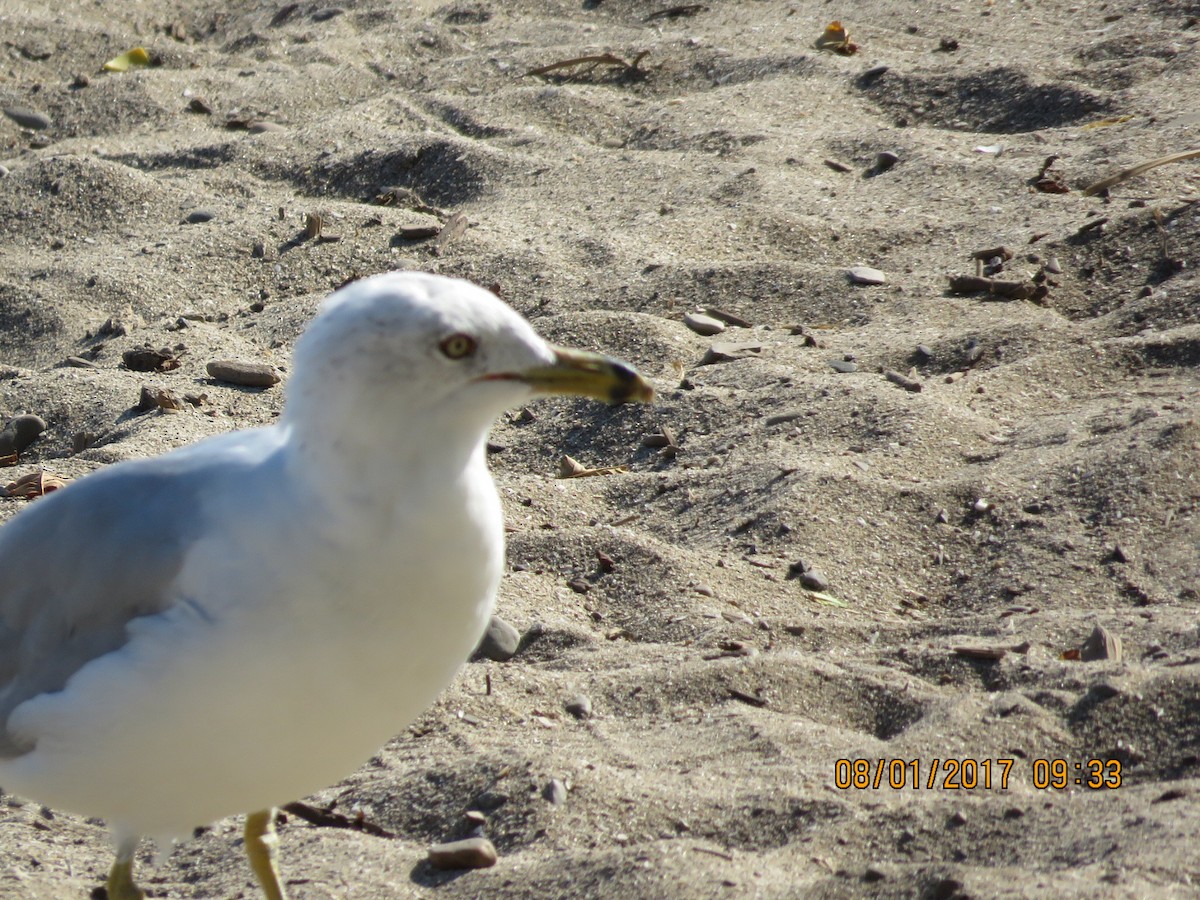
675 12
602 59
1133 172
327 818
1011 290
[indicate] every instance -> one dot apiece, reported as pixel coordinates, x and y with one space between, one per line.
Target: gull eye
458 346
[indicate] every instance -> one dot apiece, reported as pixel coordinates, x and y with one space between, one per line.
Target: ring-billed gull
156 660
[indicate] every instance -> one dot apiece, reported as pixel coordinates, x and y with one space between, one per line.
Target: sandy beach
892 593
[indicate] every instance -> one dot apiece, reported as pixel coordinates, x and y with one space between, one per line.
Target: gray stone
28 118
19 433
555 792
814 580
702 324
843 365
469 853
580 706
247 374
500 642
866 275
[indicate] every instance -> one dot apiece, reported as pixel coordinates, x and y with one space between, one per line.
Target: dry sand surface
1040 483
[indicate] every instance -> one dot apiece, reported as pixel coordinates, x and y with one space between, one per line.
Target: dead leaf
35 484
134 58
836 38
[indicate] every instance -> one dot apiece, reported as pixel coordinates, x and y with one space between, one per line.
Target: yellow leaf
135 57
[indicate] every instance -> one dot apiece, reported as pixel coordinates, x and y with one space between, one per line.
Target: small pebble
580 706
866 275
419 232
469 853
500 642
260 127
4 171
555 792
702 324
28 118
200 105
814 580
247 374
981 506
78 362
329 12
885 160
19 433
1053 266
925 352
196 216
843 365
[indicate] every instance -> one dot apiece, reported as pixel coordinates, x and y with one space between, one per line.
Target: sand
969 536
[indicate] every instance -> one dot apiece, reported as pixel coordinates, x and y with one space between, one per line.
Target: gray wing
79 564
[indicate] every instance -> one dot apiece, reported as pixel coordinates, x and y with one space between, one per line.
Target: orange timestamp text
968 774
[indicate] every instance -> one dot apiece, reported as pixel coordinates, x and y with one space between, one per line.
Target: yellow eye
458 346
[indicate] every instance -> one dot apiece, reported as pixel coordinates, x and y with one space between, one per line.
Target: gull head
407 344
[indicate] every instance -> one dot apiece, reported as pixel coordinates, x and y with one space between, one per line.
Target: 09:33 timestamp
971 774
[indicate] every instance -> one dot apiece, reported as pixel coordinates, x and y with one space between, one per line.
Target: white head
409 347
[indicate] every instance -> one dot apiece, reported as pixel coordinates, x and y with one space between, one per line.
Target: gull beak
583 374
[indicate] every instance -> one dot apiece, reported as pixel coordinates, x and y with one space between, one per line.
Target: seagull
159 618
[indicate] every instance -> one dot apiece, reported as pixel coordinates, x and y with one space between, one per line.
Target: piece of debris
1132 172
247 374
500 642
984 654
419 232
727 351
1048 182
154 397
884 161
729 318
130 59
996 288
592 62
579 706
19 433
455 227
866 275
571 468
896 378
327 818
469 853
702 324
148 359
29 119
836 39
1101 644
676 12
33 485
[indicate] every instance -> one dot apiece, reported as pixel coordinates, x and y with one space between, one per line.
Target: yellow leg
261 844
120 883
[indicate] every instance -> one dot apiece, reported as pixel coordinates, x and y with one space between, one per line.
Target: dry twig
600 59
1134 171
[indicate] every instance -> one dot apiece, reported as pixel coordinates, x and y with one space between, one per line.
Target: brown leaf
35 484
